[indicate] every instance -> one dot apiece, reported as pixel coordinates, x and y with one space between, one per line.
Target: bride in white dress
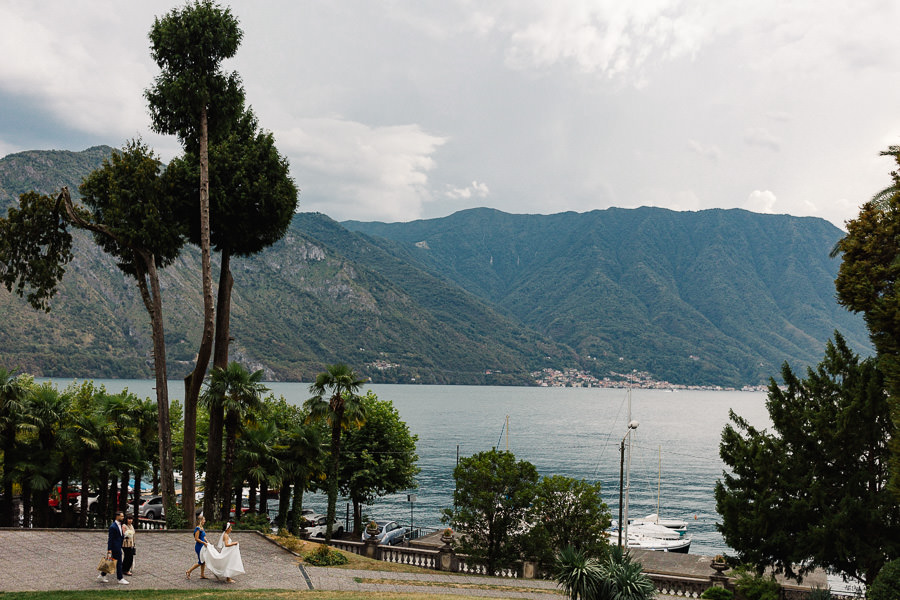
223 560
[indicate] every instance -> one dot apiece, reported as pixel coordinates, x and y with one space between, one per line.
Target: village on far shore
636 379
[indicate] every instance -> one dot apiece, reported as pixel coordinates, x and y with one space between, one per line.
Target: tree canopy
813 492
491 501
379 458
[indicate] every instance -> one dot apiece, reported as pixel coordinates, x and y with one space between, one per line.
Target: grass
354 561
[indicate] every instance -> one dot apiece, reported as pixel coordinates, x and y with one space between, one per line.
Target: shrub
325 556
625 577
756 587
717 593
887 583
820 593
175 517
253 522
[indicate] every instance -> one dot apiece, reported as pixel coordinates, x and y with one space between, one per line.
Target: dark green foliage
887 584
567 512
789 495
175 517
821 593
133 198
625 577
754 586
491 500
35 247
377 459
717 593
252 196
867 284
253 522
616 577
580 576
325 556
189 45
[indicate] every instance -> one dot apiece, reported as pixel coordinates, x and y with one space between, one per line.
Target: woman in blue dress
199 542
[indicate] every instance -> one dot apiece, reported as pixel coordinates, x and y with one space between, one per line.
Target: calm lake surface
565 431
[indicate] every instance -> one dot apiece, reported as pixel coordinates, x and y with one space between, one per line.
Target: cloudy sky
399 110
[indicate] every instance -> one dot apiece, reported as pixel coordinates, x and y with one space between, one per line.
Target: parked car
389 533
316 525
152 508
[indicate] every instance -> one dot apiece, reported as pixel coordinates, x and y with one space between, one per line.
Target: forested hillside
479 297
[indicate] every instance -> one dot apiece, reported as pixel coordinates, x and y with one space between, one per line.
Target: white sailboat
651 532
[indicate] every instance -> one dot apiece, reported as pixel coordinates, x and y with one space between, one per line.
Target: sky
401 110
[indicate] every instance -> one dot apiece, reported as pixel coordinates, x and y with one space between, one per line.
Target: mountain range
716 297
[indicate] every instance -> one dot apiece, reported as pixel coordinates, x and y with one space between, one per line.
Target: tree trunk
138 476
85 472
230 442
195 380
6 501
297 504
212 493
26 504
252 499
238 500
153 303
333 476
122 503
284 506
64 506
263 497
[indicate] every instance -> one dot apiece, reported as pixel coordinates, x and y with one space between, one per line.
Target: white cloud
761 202
350 170
710 151
90 81
762 137
475 190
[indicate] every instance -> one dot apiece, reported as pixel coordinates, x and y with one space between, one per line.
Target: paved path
163 557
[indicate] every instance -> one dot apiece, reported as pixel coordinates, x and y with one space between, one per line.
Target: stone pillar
447 560
530 569
370 549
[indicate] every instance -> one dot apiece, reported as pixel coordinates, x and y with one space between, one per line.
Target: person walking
114 539
128 548
224 559
199 543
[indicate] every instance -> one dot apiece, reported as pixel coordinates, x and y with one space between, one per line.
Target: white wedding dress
223 561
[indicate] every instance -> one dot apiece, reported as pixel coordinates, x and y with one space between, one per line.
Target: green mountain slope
479 297
707 297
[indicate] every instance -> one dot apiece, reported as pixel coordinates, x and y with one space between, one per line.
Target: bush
175 517
717 593
756 587
253 522
819 593
887 583
325 556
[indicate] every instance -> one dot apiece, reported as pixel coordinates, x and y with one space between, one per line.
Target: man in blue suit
114 546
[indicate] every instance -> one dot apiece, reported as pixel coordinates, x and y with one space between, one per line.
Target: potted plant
447 535
719 564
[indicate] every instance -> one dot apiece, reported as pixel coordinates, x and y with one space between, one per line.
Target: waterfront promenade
70 558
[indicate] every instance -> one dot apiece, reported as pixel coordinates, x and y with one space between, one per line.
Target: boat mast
628 460
658 484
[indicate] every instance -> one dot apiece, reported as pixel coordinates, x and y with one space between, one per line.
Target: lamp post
631 427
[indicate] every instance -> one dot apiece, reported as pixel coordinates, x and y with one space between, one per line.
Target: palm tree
258 459
12 398
144 418
237 391
46 416
342 409
302 461
580 576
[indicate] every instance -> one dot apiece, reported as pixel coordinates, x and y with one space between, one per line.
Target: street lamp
631 427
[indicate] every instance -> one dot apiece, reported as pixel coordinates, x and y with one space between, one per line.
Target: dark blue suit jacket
114 540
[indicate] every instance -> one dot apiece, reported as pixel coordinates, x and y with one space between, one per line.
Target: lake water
565 431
